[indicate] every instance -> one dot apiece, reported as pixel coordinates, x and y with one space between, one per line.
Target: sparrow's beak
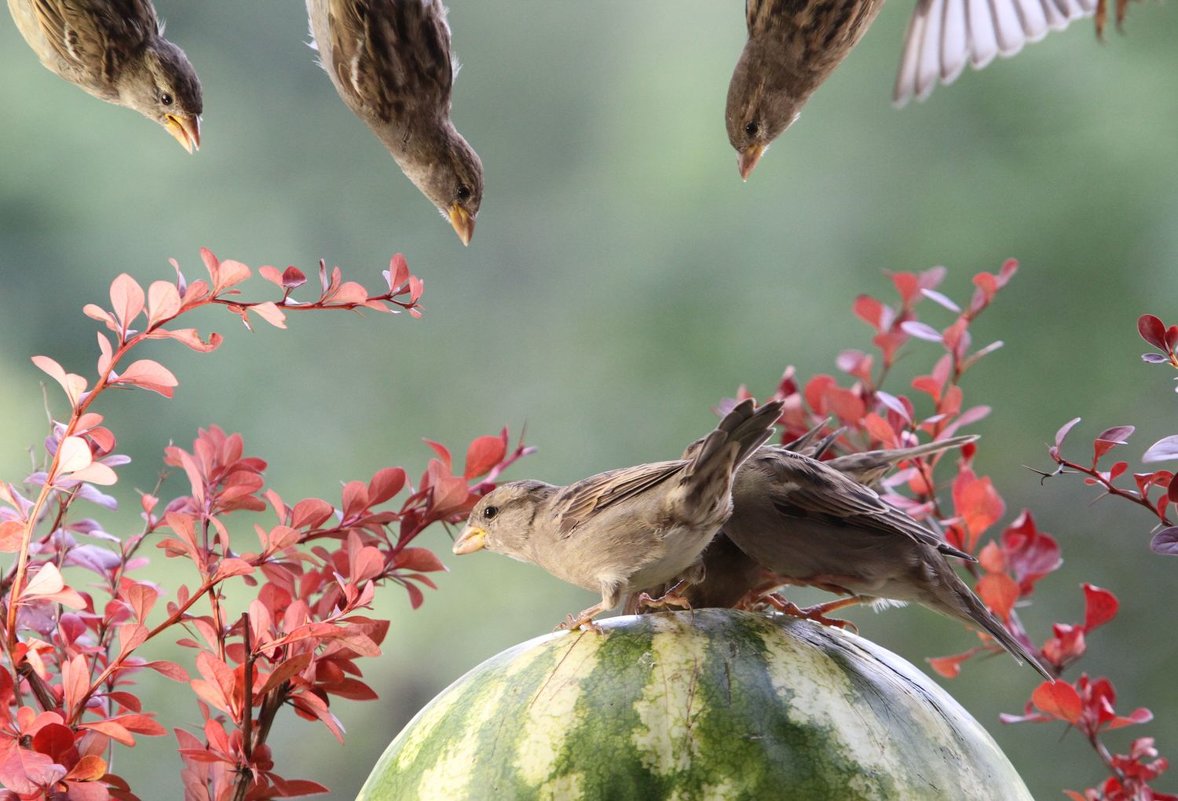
463 225
748 159
185 129
472 539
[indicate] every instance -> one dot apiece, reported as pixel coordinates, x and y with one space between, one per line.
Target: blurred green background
621 281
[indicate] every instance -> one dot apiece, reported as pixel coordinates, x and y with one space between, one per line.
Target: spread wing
943 35
385 53
576 502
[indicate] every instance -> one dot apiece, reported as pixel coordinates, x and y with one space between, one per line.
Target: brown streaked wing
576 502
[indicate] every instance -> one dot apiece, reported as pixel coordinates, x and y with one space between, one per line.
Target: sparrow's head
761 105
503 519
453 180
164 87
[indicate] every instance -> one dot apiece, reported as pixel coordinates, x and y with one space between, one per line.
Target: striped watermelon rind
714 705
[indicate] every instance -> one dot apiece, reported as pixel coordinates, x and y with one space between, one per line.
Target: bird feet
582 620
817 613
1102 15
672 597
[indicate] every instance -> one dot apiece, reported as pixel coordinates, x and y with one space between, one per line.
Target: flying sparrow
794 45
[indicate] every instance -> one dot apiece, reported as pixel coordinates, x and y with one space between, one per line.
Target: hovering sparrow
391 64
794 45
626 529
804 522
116 51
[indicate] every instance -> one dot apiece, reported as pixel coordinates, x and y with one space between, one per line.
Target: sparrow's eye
463 193
751 129
490 512
166 99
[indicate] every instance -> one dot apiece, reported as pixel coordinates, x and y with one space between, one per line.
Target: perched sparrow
622 530
794 45
116 51
390 62
806 523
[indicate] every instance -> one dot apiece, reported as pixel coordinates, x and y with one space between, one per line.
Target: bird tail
747 426
970 609
869 467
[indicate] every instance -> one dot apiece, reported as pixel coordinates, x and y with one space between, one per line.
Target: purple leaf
1154 358
1165 542
1116 435
940 299
1163 450
1064 429
893 403
920 330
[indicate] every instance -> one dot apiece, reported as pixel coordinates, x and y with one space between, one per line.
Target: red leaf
25 771
270 312
977 503
111 729
1108 439
999 591
992 558
286 671
310 513
484 453
55 741
150 375
232 567
1059 700
949 666
1152 330
421 560
398 272
89 768
1137 716
126 300
1030 554
1100 606
871 311
11 536
385 484
442 452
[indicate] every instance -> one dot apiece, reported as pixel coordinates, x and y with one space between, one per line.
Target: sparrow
116 51
622 530
391 64
804 522
794 45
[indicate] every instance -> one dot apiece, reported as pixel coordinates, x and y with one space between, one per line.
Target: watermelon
715 705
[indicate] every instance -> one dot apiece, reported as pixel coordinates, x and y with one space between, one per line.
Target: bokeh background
621 281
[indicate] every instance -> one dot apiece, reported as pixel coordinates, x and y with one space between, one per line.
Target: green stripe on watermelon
716 705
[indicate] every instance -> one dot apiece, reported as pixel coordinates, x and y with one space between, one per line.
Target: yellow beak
185 129
748 160
463 223
472 539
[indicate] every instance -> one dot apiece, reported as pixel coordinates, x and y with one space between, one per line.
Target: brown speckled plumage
622 530
116 51
794 45
390 63
799 521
